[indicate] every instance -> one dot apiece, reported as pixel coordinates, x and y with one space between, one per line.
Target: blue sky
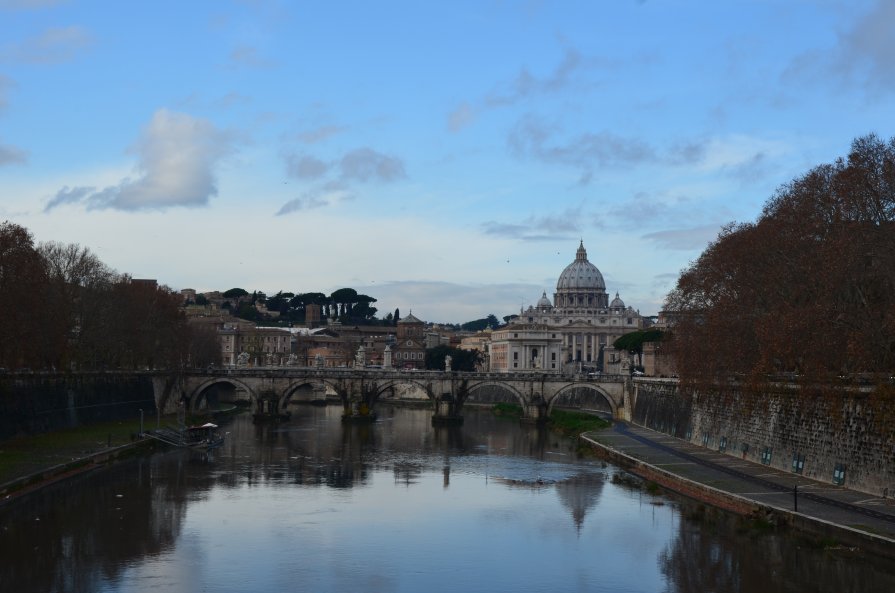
444 157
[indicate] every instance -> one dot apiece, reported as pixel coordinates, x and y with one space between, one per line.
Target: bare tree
809 288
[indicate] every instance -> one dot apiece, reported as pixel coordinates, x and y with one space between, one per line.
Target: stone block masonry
32 403
842 436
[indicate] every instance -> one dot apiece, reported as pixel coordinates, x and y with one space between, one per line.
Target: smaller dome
617 303
544 302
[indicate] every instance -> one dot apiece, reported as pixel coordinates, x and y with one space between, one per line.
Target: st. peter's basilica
575 329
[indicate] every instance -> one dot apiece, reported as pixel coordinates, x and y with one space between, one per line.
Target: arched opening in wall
221 395
488 395
582 398
306 394
393 393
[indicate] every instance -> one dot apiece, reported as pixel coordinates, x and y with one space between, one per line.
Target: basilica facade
575 331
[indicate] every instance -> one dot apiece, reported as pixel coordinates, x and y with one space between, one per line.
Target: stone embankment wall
32 403
842 437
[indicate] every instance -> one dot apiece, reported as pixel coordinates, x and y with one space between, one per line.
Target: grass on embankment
25 455
566 422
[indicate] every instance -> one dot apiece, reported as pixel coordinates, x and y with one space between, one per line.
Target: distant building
409 350
526 347
580 316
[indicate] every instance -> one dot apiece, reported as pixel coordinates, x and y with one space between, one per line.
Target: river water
397 506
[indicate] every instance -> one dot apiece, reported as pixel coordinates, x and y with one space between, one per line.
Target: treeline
344 304
808 289
64 308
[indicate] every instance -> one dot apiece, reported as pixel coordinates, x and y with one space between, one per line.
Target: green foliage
633 342
248 312
507 410
234 293
461 360
480 324
573 424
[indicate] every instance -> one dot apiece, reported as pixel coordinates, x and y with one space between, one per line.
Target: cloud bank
176 158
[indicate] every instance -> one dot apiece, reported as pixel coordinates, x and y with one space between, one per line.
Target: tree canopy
72 311
809 288
633 342
461 360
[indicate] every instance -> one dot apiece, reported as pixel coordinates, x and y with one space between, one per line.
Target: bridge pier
447 411
357 410
534 413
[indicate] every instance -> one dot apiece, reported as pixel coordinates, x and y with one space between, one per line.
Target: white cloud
366 164
177 155
304 166
53 46
867 49
10 155
533 138
248 56
5 85
319 134
685 239
28 4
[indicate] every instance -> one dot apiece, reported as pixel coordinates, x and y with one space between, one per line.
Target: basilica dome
580 274
617 303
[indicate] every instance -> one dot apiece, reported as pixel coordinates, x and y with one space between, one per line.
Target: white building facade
579 326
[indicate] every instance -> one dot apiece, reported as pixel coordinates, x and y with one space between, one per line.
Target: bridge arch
498 388
298 385
199 392
583 396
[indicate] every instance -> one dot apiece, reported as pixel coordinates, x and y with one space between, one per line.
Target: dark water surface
398 506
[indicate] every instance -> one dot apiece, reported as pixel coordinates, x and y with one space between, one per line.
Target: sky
441 157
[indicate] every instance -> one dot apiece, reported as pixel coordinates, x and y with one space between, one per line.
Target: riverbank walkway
785 492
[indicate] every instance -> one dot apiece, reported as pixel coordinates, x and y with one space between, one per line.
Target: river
397 506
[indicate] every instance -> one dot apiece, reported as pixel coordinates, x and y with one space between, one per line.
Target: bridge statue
447 363
360 359
292 361
319 362
243 359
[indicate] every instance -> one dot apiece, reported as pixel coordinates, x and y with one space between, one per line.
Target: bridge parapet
531 389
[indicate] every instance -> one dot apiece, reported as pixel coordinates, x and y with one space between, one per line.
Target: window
722 446
553 356
705 440
515 356
766 456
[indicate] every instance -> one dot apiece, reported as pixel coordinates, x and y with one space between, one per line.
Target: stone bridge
271 389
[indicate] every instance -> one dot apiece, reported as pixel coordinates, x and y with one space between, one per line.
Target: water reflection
707 554
398 506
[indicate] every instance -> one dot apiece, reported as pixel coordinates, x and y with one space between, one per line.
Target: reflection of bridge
272 389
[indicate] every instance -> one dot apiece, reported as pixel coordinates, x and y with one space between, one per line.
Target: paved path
754 481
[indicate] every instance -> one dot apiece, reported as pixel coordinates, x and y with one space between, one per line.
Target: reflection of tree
579 494
70 536
703 559
407 473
